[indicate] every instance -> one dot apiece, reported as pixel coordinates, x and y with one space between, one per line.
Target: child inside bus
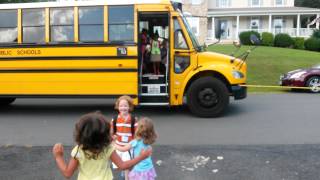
155 53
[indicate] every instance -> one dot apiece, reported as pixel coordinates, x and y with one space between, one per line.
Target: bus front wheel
207 97
6 101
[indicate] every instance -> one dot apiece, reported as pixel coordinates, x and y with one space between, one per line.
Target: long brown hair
145 131
92 134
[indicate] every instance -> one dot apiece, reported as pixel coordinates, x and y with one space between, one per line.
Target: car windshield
194 40
316 66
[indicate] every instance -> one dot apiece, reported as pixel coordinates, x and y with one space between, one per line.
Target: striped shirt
123 132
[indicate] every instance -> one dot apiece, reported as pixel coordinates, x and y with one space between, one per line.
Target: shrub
245 37
298 43
267 39
316 33
312 44
283 40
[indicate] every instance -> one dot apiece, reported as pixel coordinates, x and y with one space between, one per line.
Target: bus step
153 79
165 84
154 99
154 89
160 94
154 104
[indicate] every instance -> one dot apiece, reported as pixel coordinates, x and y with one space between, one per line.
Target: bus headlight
237 74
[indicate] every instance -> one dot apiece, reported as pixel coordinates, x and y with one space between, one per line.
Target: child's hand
146 153
57 150
114 137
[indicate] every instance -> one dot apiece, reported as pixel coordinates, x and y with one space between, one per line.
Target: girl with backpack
123 127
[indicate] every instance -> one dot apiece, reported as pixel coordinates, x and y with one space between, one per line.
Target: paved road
260 119
266 136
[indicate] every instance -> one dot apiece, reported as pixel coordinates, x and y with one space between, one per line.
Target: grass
266 64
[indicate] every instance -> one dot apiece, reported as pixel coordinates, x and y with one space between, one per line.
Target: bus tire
6 101
207 97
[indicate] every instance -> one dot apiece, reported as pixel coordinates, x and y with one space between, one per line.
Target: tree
308 3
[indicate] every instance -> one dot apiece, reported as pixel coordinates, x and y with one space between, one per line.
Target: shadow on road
41 107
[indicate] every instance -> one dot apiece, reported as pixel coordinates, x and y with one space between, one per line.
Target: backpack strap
133 121
115 118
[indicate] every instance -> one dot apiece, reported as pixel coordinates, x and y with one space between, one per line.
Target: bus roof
68 3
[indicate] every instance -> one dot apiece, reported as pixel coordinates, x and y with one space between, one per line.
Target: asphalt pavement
278 162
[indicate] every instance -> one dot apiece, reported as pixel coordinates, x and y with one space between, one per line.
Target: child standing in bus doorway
93 150
123 127
155 53
145 136
144 43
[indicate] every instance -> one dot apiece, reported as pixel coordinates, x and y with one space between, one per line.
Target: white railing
303 32
210 34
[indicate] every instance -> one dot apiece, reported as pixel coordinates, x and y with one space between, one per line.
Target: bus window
121 23
179 39
33 21
91 24
61 25
8 26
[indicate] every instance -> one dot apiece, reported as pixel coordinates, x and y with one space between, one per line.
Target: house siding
200 11
246 3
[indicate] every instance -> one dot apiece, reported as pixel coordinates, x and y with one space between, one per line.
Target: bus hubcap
208 97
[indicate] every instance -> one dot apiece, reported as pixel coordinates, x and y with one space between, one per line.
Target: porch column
318 23
213 28
298 26
270 23
238 24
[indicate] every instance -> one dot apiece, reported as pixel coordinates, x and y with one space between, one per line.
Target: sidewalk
278 162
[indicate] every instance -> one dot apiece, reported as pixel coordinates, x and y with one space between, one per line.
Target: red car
303 78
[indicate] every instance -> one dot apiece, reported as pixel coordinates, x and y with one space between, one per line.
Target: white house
275 16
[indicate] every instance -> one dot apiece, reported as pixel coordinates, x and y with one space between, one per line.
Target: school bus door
183 58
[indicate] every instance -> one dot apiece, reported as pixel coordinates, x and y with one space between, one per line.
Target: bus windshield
194 40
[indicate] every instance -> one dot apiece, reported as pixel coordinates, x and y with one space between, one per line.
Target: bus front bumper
238 92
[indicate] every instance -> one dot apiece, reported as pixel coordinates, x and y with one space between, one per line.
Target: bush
245 37
283 40
312 44
316 33
298 43
267 39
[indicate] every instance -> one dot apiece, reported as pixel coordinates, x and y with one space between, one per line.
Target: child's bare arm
124 148
128 164
66 170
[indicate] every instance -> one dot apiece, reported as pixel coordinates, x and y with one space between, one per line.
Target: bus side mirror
254 39
219 33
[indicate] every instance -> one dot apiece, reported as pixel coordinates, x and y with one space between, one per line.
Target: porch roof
256 11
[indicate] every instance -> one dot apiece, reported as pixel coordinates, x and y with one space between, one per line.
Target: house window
255 23
194 23
279 2
278 25
255 2
223 3
196 2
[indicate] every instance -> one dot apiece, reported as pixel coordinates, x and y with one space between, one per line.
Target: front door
223 26
183 58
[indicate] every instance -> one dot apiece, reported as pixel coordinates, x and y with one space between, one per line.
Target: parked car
303 78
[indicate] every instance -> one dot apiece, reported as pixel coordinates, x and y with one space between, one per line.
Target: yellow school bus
106 49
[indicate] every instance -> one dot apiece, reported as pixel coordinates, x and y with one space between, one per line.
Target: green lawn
266 64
